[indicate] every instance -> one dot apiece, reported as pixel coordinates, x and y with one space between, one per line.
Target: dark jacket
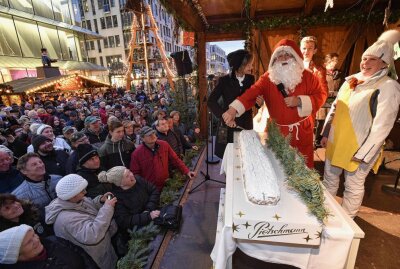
18 147
134 205
55 162
94 138
71 166
10 180
228 89
61 254
116 154
173 140
94 187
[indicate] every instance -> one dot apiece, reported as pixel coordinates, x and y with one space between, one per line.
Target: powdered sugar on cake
260 180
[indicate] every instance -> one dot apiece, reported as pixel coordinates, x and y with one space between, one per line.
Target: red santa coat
312 95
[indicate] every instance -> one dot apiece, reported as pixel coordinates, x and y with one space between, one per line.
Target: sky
229 46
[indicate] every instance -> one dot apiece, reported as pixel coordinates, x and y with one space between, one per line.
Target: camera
110 196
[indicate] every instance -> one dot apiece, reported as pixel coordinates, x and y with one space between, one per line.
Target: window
83 24
126 18
111 42
50 40
28 35
98 46
93 7
100 4
101 61
105 42
22 5
127 38
112 2
122 3
90 45
103 23
106 6
92 60
89 25
117 41
108 22
95 25
115 20
9 42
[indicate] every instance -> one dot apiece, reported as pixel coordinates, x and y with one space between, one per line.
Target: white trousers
354 184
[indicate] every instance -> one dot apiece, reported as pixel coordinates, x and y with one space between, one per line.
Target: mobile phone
110 196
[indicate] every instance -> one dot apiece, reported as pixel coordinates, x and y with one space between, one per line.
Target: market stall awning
30 85
31 63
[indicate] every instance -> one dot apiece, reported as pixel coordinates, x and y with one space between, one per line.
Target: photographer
7 138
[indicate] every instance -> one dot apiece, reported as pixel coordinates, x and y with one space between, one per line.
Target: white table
339 240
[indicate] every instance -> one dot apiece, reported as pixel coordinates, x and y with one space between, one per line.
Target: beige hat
384 47
114 175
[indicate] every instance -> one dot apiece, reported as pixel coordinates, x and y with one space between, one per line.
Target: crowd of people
77 172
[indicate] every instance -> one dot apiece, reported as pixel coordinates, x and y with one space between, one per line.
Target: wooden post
131 50
161 48
202 73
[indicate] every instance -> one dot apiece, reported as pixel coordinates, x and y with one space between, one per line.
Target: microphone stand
208 161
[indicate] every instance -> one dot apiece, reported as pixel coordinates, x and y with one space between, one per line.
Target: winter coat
134 205
153 164
60 254
71 166
87 224
10 180
116 153
228 89
55 162
173 140
40 193
94 188
94 138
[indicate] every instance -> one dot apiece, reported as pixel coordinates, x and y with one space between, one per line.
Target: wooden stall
347 28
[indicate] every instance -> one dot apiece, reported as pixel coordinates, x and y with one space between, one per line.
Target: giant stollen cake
260 179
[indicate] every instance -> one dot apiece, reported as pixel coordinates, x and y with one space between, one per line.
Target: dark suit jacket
228 89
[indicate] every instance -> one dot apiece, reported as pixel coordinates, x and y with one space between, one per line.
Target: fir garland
325 19
138 245
303 180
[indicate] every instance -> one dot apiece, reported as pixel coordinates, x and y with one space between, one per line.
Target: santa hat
10 243
289 46
383 49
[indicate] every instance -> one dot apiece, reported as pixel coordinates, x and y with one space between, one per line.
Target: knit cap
114 175
41 128
85 152
38 140
10 243
69 186
34 127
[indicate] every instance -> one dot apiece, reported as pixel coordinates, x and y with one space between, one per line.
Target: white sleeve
386 113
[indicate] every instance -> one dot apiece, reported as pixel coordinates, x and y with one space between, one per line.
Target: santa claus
292 94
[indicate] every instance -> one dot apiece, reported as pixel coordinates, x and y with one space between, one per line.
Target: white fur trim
391 36
239 107
287 49
306 106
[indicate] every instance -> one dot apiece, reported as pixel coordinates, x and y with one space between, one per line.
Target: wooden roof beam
308 6
188 14
253 6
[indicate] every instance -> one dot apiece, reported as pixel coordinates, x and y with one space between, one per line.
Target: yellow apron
342 144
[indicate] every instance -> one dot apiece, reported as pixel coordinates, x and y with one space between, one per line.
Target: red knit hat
288 46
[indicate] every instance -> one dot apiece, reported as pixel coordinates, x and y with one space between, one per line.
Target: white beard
289 74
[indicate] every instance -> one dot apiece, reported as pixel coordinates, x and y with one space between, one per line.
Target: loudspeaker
182 62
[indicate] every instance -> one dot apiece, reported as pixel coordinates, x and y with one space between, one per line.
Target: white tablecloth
336 239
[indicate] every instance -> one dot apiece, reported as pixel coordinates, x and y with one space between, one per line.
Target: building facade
26 26
108 18
217 63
